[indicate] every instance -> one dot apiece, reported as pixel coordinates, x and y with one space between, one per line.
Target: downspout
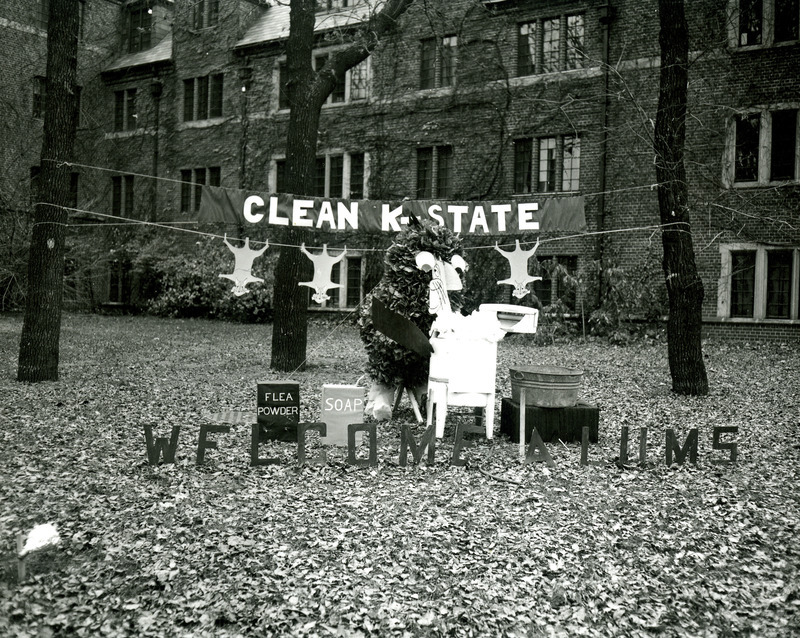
607 13
156 89
245 77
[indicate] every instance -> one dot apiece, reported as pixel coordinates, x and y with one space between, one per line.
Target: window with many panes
557 281
759 282
435 172
547 164
202 97
352 89
437 62
39 95
350 274
337 175
551 44
192 182
205 13
139 27
766 22
125 116
765 147
122 195
333 5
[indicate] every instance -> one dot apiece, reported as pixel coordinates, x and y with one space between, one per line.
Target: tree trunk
308 91
684 286
41 328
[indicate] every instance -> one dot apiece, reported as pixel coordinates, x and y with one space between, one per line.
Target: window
192 182
139 24
435 172
125 116
202 97
547 165
44 13
39 95
557 163
759 282
332 5
552 44
350 273
764 147
437 62
118 281
556 283
206 13
767 22
570 178
523 156
122 195
353 89
337 175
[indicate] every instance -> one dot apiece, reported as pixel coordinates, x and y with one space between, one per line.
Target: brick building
469 99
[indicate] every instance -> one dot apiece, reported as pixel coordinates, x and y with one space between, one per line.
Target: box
552 423
278 410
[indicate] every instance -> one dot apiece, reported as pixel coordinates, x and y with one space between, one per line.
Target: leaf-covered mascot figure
403 289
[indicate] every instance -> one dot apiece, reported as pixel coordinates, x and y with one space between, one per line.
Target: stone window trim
350 161
724 284
356 84
765 148
737 37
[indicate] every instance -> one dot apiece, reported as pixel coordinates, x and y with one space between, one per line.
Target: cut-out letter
719 445
537 451
372 432
302 428
254 460
162 446
204 444
690 446
407 440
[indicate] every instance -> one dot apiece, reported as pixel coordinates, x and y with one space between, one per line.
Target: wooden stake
20 559
522 424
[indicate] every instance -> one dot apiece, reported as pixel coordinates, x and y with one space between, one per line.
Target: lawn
496 548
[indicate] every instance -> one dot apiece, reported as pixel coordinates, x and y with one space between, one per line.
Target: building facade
466 100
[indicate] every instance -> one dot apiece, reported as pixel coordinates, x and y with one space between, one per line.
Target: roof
273 25
162 52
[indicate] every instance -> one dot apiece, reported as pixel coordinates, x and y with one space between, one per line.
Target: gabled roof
273 25
162 52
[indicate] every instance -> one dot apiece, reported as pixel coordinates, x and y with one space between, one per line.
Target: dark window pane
750 22
335 293
199 11
427 69
188 100
357 176
128 195
214 175
747 133
213 12
743 273
779 282
319 178
523 156
202 98
119 110
130 110
116 195
424 173
73 189
353 282
199 182
215 99
784 144
280 176
186 191
39 93
336 176
526 49
787 15
444 172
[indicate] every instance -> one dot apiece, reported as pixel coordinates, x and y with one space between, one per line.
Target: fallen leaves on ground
496 548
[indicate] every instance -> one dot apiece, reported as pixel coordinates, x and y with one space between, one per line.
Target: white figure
244 257
323 264
518 261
